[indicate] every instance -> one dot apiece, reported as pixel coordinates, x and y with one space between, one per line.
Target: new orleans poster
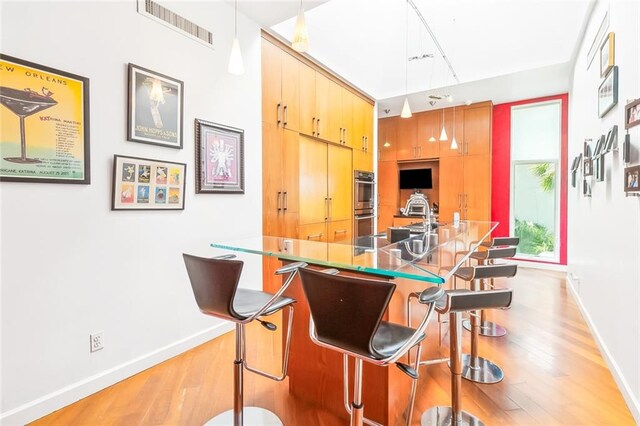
44 131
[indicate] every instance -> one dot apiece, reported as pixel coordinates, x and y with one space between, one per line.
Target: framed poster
219 159
632 179
146 184
632 114
155 108
44 136
608 92
607 54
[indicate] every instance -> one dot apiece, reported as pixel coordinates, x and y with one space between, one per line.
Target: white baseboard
539 265
625 389
69 394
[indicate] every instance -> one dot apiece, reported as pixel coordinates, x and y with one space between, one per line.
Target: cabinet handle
340 231
341 141
286 200
466 200
279 197
278 114
311 237
318 127
313 126
286 115
326 208
330 208
344 138
366 143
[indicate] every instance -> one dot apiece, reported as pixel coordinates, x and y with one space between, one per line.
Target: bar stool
455 303
487 257
476 368
215 287
346 316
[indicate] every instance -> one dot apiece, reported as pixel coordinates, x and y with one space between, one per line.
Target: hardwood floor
554 374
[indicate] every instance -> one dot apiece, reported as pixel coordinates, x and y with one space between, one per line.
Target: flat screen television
415 179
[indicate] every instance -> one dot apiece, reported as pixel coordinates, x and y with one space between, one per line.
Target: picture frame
155 108
632 114
147 184
219 158
632 179
587 167
611 143
607 54
44 136
626 149
608 92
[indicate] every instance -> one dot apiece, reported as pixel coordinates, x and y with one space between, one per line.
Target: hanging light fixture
300 40
454 144
236 65
443 133
406 109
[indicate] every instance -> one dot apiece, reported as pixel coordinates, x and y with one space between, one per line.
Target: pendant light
236 65
454 144
443 133
300 40
406 109
432 138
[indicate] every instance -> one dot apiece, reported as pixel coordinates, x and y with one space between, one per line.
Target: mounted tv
415 179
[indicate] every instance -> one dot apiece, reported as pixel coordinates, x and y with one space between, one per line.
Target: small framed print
607 54
632 114
219 159
608 92
146 184
632 179
155 108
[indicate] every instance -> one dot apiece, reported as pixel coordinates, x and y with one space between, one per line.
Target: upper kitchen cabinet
428 129
280 87
346 113
362 134
387 139
408 139
477 129
328 109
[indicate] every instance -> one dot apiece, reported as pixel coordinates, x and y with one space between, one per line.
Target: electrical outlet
97 341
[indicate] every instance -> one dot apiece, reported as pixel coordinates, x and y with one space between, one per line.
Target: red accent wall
501 167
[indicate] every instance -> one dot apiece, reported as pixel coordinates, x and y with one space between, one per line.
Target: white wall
604 232
70 266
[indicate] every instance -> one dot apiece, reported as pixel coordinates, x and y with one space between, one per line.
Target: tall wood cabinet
280 88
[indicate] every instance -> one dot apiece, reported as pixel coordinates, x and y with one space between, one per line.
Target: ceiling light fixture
236 66
386 145
454 144
443 133
406 109
300 40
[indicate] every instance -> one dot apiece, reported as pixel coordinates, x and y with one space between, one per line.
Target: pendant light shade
406 109
432 139
300 40
236 66
443 133
386 144
454 144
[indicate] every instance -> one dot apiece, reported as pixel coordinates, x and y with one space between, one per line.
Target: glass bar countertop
431 256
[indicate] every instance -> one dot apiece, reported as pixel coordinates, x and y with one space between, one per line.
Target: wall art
632 114
219 159
608 92
44 135
574 169
607 54
146 184
632 180
611 143
155 108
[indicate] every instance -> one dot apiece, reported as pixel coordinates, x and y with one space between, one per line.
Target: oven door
363 192
363 225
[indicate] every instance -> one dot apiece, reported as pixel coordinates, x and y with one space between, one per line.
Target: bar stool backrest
346 311
495 271
501 252
214 283
505 241
463 301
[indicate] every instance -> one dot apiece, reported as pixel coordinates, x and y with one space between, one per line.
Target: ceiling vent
174 21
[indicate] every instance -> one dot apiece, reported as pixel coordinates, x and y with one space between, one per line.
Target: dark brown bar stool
215 287
346 316
487 257
455 303
476 368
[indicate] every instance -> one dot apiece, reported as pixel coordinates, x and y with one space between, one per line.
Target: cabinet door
387 135
367 122
445 146
477 130
290 92
346 98
388 183
272 165
427 128
290 171
307 123
451 187
357 135
313 199
407 136
340 183
476 201
362 160
340 231
271 83
331 128
314 232
385 217
323 106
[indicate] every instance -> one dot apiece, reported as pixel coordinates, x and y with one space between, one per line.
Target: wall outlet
97 341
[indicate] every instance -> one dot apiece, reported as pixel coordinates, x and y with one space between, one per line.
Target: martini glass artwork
24 103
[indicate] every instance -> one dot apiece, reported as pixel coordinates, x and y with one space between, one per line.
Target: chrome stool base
251 416
486 372
487 328
441 416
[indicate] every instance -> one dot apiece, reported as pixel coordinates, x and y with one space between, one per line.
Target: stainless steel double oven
363 190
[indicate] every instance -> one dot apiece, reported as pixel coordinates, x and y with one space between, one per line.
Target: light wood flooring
554 372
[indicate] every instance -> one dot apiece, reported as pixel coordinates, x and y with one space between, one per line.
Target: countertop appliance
363 190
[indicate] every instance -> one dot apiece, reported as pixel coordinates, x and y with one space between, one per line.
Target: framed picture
632 114
607 54
44 135
587 167
612 139
155 108
145 184
219 159
608 92
632 179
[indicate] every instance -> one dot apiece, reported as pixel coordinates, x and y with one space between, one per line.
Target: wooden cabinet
407 138
280 87
339 182
388 193
387 139
477 188
427 129
307 100
346 122
328 108
451 189
445 146
362 135
340 231
477 130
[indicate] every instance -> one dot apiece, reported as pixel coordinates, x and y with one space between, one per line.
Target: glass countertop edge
381 272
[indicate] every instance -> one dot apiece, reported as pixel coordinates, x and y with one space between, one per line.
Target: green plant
534 237
546 173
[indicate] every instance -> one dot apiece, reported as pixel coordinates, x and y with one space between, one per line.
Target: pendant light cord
406 49
236 19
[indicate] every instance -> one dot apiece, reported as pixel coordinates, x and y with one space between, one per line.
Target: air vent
174 21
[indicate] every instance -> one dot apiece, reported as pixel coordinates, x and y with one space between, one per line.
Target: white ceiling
501 50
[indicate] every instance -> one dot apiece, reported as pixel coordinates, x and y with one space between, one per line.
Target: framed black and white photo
155 108
219 158
608 92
